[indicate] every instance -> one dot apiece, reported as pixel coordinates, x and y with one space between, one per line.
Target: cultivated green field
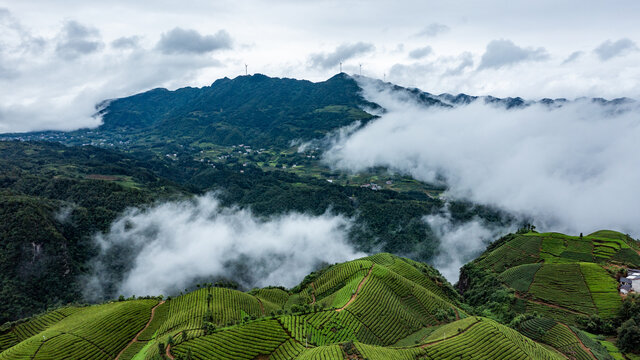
378 307
563 277
94 332
572 342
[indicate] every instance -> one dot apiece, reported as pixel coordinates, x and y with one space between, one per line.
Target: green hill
567 278
378 307
93 332
572 342
256 110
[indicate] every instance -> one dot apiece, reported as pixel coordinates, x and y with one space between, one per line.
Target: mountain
256 110
377 307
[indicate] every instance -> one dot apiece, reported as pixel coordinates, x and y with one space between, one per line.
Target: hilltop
255 110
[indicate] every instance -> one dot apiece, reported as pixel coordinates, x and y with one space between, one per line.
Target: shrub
629 337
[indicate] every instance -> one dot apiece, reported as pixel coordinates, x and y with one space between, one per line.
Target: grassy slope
378 307
563 276
393 298
93 332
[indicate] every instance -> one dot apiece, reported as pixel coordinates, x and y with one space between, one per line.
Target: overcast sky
59 58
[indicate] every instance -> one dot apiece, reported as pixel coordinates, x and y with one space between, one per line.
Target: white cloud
54 83
459 242
502 52
171 245
572 169
573 57
341 53
419 53
610 49
465 61
126 42
76 40
180 40
433 29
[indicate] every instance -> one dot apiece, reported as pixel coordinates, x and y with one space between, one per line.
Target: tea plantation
378 307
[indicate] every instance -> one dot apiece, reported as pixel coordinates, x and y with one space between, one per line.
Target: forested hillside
74 192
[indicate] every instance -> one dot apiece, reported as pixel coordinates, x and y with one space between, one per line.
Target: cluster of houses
631 282
372 186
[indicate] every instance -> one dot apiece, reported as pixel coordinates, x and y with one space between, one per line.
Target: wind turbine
360 69
340 67
246 72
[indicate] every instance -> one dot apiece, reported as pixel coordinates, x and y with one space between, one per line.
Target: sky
58 59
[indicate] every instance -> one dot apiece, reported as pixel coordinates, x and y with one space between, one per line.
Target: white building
631 282
634 276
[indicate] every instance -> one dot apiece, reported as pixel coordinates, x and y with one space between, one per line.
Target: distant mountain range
256 110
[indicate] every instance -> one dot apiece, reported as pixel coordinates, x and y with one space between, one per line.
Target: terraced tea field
561 276
94 332
379 307
573 343
600 247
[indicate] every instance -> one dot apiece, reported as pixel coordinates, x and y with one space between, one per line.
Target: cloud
43 90
500 53
460 242
126 42
15 39
571 168
170 246
419 53
407 71
76 40
573 57
342 53
437 69
188 41
465 61
433 29
610 49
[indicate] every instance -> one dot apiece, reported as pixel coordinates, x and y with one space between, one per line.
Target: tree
629 337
